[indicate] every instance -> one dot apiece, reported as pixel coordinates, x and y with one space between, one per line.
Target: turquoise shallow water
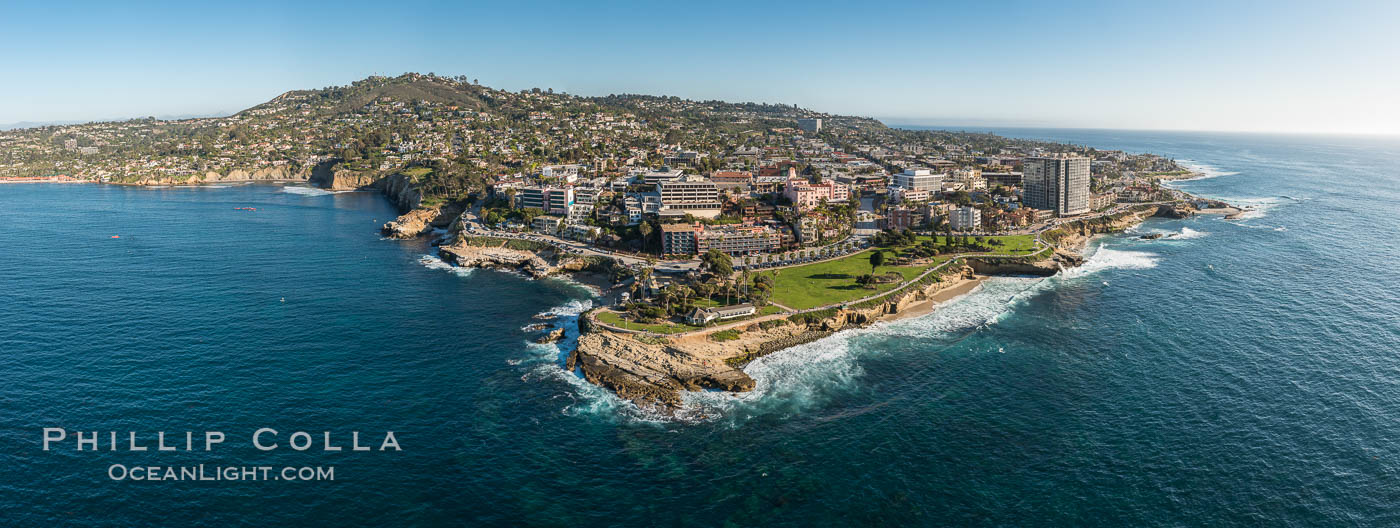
1236 373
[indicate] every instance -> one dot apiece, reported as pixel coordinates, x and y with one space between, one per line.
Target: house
702 316
546 224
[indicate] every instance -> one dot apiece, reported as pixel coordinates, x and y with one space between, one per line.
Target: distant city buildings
1057 183
810 125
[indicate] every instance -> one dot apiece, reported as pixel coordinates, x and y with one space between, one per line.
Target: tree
718 263
877 259
645 229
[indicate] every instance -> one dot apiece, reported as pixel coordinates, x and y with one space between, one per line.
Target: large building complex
691 194
552 200
806 195
1057 183
733 240
919 180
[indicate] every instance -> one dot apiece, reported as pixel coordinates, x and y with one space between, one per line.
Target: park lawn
615 319
1012 244
833 281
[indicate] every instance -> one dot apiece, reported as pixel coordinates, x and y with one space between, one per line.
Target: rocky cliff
399 188
280 173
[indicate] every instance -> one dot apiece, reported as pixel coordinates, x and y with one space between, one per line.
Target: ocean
1236 373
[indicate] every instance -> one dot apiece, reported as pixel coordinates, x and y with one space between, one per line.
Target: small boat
116 236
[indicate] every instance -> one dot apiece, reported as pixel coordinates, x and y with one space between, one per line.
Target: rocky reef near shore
1075 234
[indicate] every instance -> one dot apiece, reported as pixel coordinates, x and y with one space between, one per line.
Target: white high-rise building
810 125
919 180
1057 183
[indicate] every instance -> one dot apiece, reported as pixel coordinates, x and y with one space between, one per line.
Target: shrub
725 335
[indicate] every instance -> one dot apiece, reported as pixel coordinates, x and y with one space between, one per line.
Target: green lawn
1012 244
614 319
833 281
416 172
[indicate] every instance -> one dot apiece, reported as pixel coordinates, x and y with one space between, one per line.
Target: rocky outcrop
1019 266
553 336
494 253
536 265
421 221
1076 234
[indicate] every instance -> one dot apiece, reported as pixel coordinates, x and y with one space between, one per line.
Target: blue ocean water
1236 373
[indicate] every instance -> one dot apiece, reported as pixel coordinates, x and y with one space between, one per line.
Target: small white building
702 316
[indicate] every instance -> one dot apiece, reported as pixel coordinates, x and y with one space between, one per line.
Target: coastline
653 370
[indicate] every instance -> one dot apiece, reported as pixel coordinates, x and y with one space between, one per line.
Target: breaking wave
434 263
1187 234
1105 259
1206 171
546 361
307 191
1259 207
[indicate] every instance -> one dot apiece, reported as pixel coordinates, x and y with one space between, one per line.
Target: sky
1282 66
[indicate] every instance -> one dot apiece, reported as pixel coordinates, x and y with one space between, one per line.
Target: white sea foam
1206 171
1187 234
435 263
308 191
1105 258
1256 207
545 361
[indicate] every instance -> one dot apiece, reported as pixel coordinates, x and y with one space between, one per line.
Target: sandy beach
925 307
